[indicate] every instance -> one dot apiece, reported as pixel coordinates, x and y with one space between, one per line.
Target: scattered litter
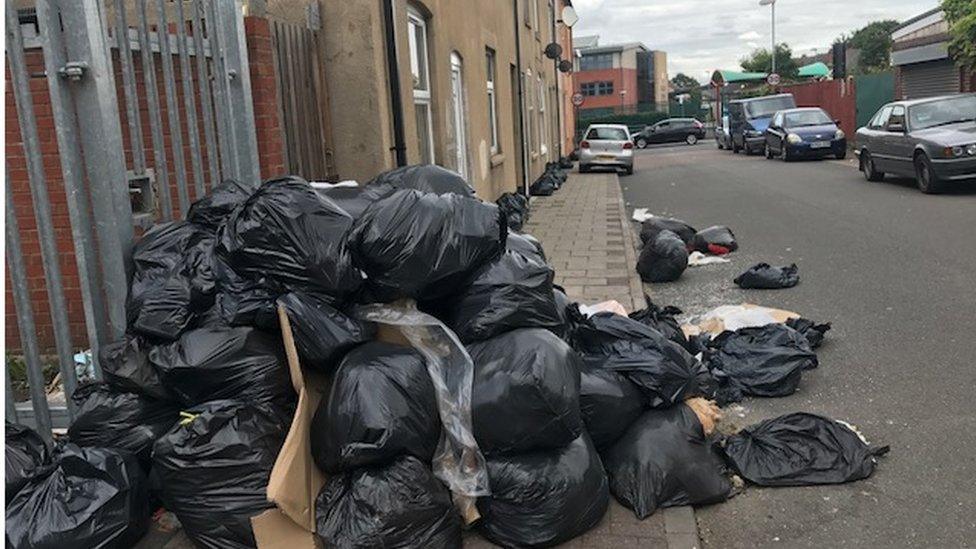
814 332
734 317
641 215
765 361
612 306
662 319
698 259
716 240
709 414
662 259
763 276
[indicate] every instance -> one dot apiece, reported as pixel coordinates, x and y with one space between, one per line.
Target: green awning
814 70
729 77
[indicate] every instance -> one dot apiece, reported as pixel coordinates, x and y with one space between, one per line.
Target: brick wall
270 150
623 80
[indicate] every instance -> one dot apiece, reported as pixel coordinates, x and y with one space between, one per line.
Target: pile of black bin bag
551 179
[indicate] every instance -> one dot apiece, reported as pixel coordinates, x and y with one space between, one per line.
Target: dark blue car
804 133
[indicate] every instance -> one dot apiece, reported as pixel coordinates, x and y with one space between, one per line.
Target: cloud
755 45
751 35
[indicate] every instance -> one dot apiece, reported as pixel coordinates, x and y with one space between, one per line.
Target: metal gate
872 92
179 69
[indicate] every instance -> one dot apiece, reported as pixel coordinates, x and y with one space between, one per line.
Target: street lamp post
773 51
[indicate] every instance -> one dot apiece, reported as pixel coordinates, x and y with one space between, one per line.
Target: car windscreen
943 112
763 108
807 118
606 134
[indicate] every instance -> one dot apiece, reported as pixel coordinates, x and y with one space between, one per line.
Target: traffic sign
577 99
773 79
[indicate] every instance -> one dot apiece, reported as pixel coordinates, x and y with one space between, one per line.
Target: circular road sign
773 79
577 99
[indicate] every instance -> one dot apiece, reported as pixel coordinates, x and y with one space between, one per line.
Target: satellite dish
553 51
569 16
566 66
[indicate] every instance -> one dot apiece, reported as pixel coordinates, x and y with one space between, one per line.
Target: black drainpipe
396 100
521 105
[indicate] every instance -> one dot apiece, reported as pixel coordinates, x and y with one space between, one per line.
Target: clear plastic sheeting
458 461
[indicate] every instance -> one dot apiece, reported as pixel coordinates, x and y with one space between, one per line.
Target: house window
458 112
597 88
420 70
530 107
492 103
543 126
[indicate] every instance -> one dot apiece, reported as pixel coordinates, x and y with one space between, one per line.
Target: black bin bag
544 498
424 246
323 334
126 367
664 460
355 200
801 449
290 238
764 361
763 276
813 332
513 291
428 178
381 405
242 302
92 497
115 419
544 186
664 320
662 259
717 240
213 470
609 403
211 210
525 394
26 457
516 209
650 228
400 504
221 363
664 371
526 245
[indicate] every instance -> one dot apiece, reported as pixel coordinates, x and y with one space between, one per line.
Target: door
899 145
457 115
776 134
659 132
518 147
880 147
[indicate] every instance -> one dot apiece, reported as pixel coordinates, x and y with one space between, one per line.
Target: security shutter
920 80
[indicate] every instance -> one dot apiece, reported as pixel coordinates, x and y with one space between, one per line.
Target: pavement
893 270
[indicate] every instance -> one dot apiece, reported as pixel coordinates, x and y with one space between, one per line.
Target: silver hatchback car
606 145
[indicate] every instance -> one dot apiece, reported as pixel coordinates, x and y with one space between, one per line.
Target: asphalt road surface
895 272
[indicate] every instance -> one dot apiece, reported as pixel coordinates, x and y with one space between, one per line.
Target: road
895 272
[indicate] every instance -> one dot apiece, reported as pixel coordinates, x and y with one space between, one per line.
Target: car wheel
719 145
629 171
925 178
867 167
841 156
735 148
691 139
583 168
768 151
785 154
641 143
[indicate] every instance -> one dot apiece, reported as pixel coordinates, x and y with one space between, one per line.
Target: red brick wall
623 80
270 150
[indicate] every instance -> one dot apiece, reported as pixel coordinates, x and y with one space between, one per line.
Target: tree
683 82
761 61
874 43
961 16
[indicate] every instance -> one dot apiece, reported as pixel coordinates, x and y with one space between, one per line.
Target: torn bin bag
525 394
218 363
26 457
381 405
662 259
513 291
213 470
424 246
609 403
289 238
664 460
801 449
115 419
814 332
516 209
653 226
126 367
323 334
664 371
764 361
717 240
663 319
211 210
400 504
93 497
541 499
763 276
427 178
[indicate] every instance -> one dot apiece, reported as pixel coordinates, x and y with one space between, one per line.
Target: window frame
491 69
543 126
530 106
422 96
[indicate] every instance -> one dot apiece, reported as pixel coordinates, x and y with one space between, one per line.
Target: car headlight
753 133
839 135
794 139
971 150
958 151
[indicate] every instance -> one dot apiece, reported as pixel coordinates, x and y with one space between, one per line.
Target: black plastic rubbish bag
427 178
544 186
126 367
355 200
113 419
801 449
288 237
664 460
513 291
92 497
224 363
609 403
652 227
211 210
764 361
662 259
213 470
814 332
26 457
541 499
526 245
663 370
516 209
381 405
424 246
401 504
717 240
663 319
763 276
323 334
241 302
525 394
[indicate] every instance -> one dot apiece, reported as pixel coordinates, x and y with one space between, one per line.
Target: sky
700 36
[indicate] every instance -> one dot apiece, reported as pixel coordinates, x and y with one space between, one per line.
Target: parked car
804 133
672 130
750 117
606 145
932 140
722 136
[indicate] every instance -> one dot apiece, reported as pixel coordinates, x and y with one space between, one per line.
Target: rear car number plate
820 145
606 157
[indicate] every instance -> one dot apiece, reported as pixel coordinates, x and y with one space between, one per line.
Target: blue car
749 118
804 133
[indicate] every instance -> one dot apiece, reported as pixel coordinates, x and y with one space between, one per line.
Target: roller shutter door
929 79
